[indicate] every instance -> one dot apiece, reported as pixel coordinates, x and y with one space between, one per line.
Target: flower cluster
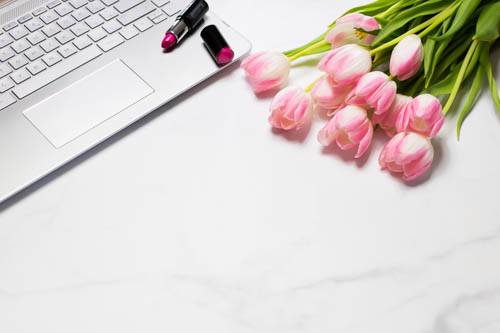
359 93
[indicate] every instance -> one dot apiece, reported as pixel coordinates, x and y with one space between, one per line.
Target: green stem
308 50
309 87
460 77
290 53
390 10
438 18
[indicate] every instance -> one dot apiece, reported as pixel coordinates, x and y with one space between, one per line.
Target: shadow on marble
116 137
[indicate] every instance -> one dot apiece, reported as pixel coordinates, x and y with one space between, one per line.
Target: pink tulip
328 95
349 127
266 70
387 121
291 108
407 57
346 64
375 90
409 153
423 116
344 32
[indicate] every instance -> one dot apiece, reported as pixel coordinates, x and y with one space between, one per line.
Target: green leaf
464 12
427 8
451 58
471 99
290 53
486 65
488 24
441 47
429 46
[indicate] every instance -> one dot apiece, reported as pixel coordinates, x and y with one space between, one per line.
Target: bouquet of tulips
393 64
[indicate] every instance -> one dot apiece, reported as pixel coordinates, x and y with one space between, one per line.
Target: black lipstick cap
194 13
217 46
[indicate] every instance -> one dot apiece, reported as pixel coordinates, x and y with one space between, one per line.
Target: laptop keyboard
39 47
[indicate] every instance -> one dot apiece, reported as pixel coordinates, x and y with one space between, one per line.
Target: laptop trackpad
88 102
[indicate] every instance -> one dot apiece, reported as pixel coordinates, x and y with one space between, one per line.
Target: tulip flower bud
407 57
387 121
328 95
291 108
266 70
349 127
344 32
424 116
409 153
375 90
346 64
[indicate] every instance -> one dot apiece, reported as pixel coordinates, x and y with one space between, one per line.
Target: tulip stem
310 50
389 11
439 18
309 87
460 77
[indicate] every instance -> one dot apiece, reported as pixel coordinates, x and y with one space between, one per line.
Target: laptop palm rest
87 103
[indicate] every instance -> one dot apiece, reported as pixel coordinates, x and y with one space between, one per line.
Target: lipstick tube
185 22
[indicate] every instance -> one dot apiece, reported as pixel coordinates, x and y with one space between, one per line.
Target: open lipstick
185 22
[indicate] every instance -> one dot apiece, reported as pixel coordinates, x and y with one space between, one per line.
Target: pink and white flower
349 127
423 116
346 64
266 70
327 95
375 90
409 153
387 121
291 108
407 57
344 32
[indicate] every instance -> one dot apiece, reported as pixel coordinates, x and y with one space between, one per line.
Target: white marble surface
201 219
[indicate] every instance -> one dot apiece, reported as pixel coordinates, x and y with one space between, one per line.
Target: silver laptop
74 72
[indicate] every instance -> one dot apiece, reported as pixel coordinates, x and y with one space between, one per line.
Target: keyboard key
51 30
49 45
109 13
4 70
63 9
18 61
48 17
21 45
34 25
5 40
65 36
10 26
155 14
112 26
94 21
97 34
80 29
66 22
50 60
129 32
5 85
6 53
25 18
123 5
35 67
174 7
6 100
34 53
65 67
109 2
95 7
160 3
19 32
159 19
36 37
67 50
143 24
136 13
81 14
20 76
82 42
78 3
110 42
39 11
53 4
